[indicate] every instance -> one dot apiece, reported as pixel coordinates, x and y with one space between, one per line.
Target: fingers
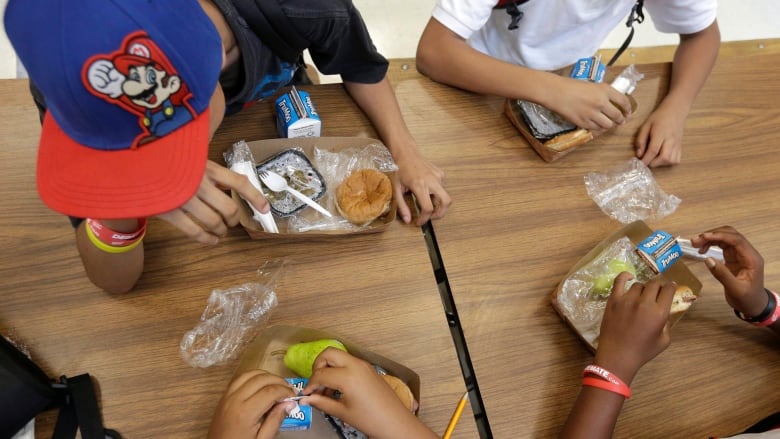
273 420
179 219
665 297
722 273
403 209
259 385
432 206
324 404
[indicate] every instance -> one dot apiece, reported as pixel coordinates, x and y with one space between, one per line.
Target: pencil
456 416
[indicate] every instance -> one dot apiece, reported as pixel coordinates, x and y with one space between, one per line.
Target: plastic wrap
232 318
335 166
627 80
582 306
629 192
240 160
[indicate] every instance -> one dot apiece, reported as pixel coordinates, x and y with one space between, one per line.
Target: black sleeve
339 41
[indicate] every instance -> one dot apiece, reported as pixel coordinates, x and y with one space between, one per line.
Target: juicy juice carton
300 417
589 69
659 251
296 116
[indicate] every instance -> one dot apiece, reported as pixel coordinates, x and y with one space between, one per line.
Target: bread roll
402 390
683 299
566 141
364 196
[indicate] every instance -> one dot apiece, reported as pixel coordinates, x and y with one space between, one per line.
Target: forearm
112 272
379 104
594 414
693 61
445 57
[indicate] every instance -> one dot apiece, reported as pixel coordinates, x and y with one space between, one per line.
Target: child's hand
364 401
209 214
249 397
635 326
595 107
659 140
742 273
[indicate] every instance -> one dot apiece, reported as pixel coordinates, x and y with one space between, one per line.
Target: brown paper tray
263 149
545 150
267 351
636 232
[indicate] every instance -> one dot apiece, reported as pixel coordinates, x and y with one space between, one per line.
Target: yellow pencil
456 416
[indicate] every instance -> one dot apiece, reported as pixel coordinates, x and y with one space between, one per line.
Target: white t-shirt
556 33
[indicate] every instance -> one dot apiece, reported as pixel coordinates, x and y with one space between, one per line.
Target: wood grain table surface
518 224
376 290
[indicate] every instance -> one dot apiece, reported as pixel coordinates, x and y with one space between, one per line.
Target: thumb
619 284
721 273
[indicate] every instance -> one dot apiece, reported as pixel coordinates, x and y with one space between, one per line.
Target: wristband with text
125 246
767 314
608 382
114 238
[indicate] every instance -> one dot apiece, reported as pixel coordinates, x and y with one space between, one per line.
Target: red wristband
608 386
774 316
610 381
114 238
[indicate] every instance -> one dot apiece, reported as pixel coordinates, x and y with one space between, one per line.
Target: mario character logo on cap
139 78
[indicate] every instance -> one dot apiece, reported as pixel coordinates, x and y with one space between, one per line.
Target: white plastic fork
277 183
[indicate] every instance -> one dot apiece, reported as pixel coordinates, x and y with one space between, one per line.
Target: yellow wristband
108 248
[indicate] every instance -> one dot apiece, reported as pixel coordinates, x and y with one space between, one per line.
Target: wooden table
518 224
376 290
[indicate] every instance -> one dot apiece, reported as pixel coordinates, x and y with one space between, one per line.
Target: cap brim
153 178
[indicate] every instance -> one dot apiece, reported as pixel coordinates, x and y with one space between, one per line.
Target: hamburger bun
683 299
364 196
401 390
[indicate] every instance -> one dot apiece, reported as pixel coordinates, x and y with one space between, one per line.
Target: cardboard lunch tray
636 232
546 152
267 351
264 149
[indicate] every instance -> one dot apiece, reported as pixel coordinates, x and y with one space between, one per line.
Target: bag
26 391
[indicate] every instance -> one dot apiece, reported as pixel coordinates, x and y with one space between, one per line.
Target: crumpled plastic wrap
335 166
232 318
582 307
629 192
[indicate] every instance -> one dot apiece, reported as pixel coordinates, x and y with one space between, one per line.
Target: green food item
300 357
602 285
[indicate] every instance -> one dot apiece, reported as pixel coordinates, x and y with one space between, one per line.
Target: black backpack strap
271 25
80 411
511 9
636 16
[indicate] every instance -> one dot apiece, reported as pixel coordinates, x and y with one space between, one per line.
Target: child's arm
659 140
205 217
445 57
112 272
634 331
249 409
741 273
415 172
366 401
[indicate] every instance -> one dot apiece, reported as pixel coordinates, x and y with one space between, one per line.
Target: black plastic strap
271 25
770 308
513 11
80 411
637 15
